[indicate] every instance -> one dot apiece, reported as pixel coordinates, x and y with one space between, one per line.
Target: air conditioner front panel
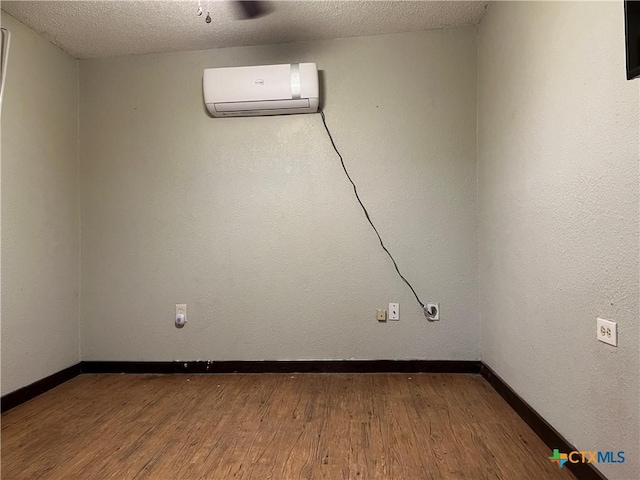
246 84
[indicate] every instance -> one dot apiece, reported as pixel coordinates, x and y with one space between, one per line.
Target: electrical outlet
382 315
432 312
181 314
394 311
607 331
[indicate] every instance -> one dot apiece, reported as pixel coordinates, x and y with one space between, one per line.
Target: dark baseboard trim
294 366
24 394
549 435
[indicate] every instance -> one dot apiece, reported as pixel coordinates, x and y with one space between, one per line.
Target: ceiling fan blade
251 9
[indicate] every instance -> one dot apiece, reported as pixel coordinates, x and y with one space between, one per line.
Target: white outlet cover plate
607 331
394 311
181 308
437 307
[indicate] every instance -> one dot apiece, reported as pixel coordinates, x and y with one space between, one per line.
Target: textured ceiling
108 28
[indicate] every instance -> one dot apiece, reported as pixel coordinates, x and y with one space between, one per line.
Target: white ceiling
108 28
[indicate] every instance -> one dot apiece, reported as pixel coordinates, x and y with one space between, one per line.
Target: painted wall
40 211
251 221
558 217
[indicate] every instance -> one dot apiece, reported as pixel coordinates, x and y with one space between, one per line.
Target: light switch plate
607 331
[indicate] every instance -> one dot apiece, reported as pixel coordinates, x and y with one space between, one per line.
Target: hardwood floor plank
272 426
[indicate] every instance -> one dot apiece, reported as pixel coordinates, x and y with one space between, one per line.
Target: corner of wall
79 219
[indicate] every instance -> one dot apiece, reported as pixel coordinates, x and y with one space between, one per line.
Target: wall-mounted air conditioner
261 90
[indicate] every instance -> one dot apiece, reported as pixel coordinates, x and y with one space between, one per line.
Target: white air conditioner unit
261 90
